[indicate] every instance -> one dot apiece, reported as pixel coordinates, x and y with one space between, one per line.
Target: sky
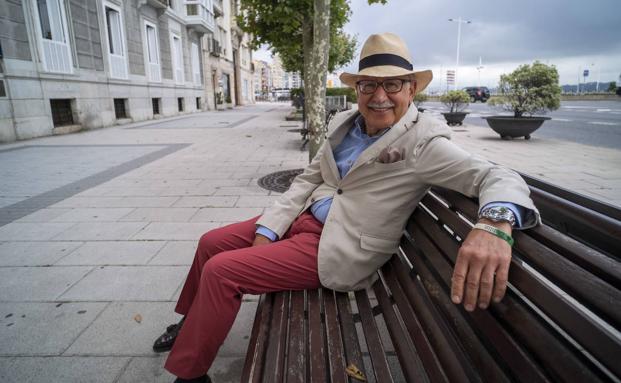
503 34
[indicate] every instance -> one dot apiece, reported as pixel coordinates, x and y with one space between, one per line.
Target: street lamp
459 22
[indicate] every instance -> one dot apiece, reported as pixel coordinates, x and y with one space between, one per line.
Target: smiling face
381 109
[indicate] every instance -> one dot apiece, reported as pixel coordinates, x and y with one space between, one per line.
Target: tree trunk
315 73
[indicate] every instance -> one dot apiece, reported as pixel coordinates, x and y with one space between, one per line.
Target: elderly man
342 218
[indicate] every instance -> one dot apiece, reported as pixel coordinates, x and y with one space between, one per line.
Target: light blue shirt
345 154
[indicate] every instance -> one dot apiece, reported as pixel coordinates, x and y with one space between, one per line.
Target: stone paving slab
62 369
113 253
20 284
100 231
175 253
168 214
224 214
220 201
34 253
27 231
127 283
175 231
43 328
117 332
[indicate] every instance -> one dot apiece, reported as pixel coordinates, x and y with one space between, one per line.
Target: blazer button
339 191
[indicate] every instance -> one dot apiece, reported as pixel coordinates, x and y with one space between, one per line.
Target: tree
612 87
529 89
308 36
455 100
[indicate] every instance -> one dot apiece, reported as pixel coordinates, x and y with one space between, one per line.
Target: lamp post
479 70
459 22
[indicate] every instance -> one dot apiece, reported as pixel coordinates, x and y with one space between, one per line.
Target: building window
152 52
177 58
156 105
52 25
180 104
116 41
198 103
120 110
196 66
61 112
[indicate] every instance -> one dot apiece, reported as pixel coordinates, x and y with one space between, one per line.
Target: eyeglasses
392 85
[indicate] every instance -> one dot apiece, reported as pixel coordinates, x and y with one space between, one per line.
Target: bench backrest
559 321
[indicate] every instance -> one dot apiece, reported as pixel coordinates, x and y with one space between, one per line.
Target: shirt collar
359 129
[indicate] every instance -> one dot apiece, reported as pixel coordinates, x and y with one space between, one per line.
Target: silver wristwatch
498 214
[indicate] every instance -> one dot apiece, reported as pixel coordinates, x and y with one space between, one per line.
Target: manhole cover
279 181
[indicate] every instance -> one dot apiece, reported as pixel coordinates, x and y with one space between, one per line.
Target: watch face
498 214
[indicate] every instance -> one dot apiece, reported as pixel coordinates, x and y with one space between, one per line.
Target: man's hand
261 240
482 268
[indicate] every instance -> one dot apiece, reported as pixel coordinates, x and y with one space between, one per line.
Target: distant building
69 65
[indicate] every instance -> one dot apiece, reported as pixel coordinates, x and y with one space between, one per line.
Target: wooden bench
559 321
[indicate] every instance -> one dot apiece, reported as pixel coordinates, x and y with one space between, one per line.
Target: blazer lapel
397 130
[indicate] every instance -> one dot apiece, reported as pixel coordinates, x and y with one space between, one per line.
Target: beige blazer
368 214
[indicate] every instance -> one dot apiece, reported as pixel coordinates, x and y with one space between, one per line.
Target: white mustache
381 106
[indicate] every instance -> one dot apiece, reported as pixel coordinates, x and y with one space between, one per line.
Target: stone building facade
68 65
228 60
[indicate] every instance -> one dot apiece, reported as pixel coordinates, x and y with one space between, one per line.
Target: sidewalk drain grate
279 181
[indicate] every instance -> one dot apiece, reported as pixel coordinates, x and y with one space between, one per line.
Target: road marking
561 119
603 110
604 123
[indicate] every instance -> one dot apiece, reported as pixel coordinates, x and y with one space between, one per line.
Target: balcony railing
199 15
160 4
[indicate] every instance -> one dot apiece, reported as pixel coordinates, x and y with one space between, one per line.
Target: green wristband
497 232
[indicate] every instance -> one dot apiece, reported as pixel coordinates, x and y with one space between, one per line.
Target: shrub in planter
419 99
456 101
528 90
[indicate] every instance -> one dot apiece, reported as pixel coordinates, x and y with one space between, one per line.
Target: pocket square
389 155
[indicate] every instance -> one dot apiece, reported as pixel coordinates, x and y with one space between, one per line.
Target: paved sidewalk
97 231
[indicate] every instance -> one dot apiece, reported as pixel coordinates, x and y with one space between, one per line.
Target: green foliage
529 89
612 87
455 100
279 24
349 92
420 98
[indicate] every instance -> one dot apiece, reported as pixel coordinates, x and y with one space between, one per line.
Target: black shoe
167 339
200 379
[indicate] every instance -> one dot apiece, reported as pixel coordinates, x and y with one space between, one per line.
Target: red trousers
225 267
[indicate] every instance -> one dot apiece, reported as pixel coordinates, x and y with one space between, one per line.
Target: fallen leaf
355 373
138 318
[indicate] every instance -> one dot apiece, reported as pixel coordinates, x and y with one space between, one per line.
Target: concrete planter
512 127
454 118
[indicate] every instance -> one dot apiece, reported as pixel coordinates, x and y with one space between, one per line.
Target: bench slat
599 264
297 343
398 284
372 337
334 339
411 364
316 351
275 359
499 343
453 361
527 283
353 354
255 356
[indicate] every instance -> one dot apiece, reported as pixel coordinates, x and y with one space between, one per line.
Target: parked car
478 93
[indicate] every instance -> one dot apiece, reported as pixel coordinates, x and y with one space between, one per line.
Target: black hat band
384 59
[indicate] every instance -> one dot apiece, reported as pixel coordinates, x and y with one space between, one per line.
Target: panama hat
386 55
